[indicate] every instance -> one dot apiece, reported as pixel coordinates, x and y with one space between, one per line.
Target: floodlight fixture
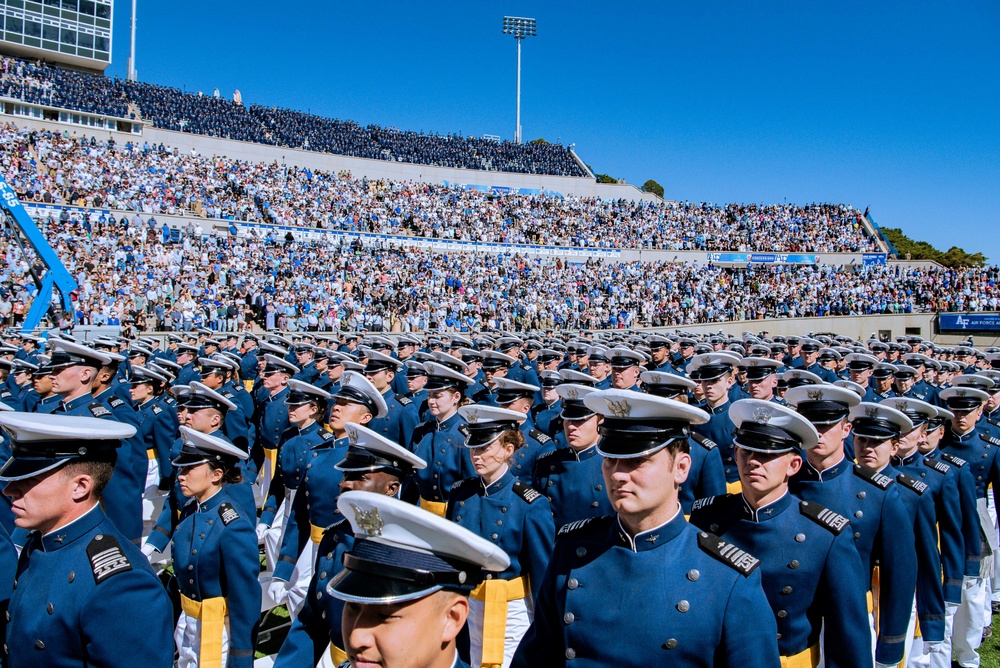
520 28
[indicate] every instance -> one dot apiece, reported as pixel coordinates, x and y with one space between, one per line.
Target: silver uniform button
693 575
683 606
570 653
572 583
568 618
670 644
800 538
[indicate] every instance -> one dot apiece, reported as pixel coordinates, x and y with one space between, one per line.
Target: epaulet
526 492
549 453
228 394
873 477
539 435
228 513
824 516
578 525
940 467
289 433
5 394
953 460
704 441
98 410
156 409
739 560
912 483
115 402
326 435
404 400
995 423
703 503
459 483
990 439
170 400
106 557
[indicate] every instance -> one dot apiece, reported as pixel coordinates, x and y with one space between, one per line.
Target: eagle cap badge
619 409
762 414
368 521
814 395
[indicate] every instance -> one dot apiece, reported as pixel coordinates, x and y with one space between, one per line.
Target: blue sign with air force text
969 322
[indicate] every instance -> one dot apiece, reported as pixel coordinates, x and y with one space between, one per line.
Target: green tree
540 141
652 186
604 178
921 250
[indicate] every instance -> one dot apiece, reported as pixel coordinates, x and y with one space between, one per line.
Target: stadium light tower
131 75
520 28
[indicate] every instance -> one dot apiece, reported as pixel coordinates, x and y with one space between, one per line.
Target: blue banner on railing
969 322
762 258
868 259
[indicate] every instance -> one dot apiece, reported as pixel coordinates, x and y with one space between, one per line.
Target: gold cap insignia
619 408
369 521
901 405
472 417
871 411
815 395
762 414
352 437
960 392
572 393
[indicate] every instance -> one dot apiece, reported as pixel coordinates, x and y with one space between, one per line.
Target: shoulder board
526 492
459 483
824 516
406 401
873 477
575 526
912 483
739 560
157 410
326 435
545 455
953 460
990 439
995 423
704 441
106 557
940 467
539 436
115 402
703 503
170 401
97 410
228 394
5 394
228 513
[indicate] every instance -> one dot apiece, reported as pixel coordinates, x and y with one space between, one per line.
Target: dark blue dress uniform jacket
315 503
536 443
294 454
880 526
811 573
672 596
573 483
511 515
399 424
442 446
707 476
719 429
942 482
318 623
85 596
215 554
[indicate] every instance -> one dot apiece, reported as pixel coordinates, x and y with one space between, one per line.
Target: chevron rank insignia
874 477
227 513
740 560
940 467
912 483
703 503
953 460
824 516
98 411
106 557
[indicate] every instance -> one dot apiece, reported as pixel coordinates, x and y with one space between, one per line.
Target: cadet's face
883 384
184 357
140 392
600 370
213 380
443 403
762 388
762 473
993 401
860 376
198 481
204 420
659 355
931 440
903 384
415 383
41 501
489 459
416 634
42 384
380 379
875 453
490 374
377 482
964 419
911 442
301 414
581 434
644 486
549 395
831 440
717 389
69 379
624 378
274 381
334 372
347 411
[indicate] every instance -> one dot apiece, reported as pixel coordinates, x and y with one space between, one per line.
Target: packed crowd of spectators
127 274
48 167
172 109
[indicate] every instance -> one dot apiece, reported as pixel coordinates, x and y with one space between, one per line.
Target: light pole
520 28
132 76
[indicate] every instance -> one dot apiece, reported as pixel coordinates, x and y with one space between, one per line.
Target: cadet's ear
455 612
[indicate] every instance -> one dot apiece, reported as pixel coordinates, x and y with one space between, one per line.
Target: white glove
934 647
261 530
278 591
968 582
148 550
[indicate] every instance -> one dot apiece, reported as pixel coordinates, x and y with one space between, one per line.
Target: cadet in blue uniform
41 381
157 427
967 440
706 476
519 397
545 413
307 405
438 441
401 417
83 594
215 558
271 418
420 567
860 368
825 588
513 516
644 588
714 374
314 506
762 378
880 524
305 359
186 356
570 476
626 365
372 464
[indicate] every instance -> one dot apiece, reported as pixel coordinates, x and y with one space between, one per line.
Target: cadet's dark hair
512 437
99 472
230 474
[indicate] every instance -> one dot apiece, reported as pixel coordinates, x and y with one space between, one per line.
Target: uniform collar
280 394
586 453
829 474
499 485
68 533
906 461
648 540
765 513
310 429
82 400
962 438
721 408
213 502
449 423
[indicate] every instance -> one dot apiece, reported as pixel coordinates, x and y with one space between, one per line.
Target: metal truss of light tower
520 28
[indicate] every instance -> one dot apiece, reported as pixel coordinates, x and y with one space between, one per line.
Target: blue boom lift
22 228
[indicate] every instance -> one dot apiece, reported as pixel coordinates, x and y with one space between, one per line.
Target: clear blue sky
892 105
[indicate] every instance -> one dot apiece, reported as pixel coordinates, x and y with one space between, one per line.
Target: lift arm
56 275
